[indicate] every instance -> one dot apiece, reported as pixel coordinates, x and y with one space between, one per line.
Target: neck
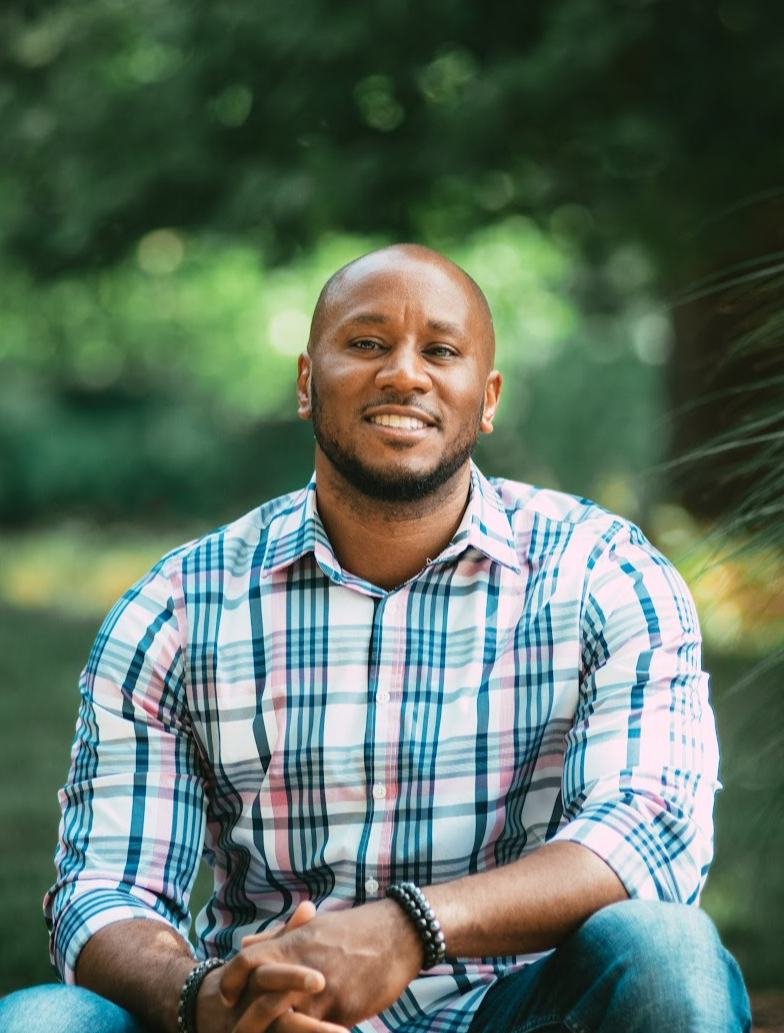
387 543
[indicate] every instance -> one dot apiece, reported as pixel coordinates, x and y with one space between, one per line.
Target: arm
638 784
142 967
370 954
135 784
641 763
133 793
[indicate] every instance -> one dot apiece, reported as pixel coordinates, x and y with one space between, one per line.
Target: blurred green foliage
163 386
276 123
178 179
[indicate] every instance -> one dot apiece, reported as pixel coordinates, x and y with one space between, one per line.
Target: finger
235 973
296 1022
251 969
303 913
263 1010
287 978
233 977
248 941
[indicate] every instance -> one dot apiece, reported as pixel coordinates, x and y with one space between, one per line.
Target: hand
367 956
269 993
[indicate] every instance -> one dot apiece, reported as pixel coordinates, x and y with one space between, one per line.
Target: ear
304 367
492 394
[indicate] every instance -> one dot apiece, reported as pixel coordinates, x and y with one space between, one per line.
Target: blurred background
178 179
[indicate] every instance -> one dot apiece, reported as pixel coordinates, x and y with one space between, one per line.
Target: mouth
398 422
400 418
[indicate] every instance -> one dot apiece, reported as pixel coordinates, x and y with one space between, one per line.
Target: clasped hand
320 973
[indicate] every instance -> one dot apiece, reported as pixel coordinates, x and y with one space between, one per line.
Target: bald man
445 741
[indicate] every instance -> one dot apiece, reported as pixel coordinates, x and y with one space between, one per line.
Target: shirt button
371 887
379 791
382 696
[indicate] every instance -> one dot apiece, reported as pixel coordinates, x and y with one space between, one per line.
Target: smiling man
445 741
398 380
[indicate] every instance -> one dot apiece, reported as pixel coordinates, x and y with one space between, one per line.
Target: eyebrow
369 317
443 327
437 325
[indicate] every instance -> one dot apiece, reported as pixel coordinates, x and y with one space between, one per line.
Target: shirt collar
297 531
485 526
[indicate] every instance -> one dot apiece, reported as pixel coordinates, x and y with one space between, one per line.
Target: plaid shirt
318 737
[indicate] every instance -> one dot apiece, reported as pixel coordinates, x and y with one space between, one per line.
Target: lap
64 1009
633 967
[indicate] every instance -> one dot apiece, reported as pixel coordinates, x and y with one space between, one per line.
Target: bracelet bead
186 1009
421 915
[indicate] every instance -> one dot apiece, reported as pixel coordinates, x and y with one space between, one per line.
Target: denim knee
64 1009
663 963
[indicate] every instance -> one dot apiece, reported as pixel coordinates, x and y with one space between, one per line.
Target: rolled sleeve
641 762
132 809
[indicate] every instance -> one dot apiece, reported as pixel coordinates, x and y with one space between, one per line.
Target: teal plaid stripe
540 679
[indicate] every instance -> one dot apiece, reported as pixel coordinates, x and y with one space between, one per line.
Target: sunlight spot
652 339
288 331
377 103
160 252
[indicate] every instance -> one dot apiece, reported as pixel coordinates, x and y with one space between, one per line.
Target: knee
664 961
63 1009
658 935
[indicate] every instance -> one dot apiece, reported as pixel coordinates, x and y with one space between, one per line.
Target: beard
392 485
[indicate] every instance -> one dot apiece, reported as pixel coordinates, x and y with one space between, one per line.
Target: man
485 696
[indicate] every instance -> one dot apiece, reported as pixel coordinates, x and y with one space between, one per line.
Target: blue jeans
635 967
55 1008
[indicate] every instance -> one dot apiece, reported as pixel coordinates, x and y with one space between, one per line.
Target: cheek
465 401
333 396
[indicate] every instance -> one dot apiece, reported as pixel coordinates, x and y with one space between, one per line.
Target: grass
41 654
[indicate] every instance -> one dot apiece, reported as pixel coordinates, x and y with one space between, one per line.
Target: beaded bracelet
186 1009
411 898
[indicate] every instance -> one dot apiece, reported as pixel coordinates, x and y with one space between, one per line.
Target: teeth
404 422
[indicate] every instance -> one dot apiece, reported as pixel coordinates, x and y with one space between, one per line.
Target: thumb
302 914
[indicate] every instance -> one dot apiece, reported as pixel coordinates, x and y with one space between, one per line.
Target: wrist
189 994
413 904
402 938
177 971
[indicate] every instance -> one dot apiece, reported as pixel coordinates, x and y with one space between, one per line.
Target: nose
403 370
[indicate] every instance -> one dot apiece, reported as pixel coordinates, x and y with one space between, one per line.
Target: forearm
140 965
526 906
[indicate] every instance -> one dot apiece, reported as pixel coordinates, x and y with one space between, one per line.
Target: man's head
398 377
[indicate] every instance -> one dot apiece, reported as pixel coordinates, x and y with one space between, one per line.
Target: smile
401 422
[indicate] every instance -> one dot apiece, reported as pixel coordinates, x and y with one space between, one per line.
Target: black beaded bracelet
186 1009
411 898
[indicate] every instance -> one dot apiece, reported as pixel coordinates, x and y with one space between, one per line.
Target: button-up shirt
317 737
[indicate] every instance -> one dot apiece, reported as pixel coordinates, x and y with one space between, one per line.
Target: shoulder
230 549
573 531
530 509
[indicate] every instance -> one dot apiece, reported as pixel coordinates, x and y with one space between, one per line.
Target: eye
441 351
364 344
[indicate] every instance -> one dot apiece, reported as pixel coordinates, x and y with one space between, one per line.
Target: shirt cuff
637 852
84 915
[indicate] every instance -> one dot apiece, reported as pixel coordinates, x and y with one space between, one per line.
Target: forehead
403 289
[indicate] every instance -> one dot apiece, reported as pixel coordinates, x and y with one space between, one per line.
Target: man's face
398 380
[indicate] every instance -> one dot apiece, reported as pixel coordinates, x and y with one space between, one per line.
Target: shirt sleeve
641 761
132 809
